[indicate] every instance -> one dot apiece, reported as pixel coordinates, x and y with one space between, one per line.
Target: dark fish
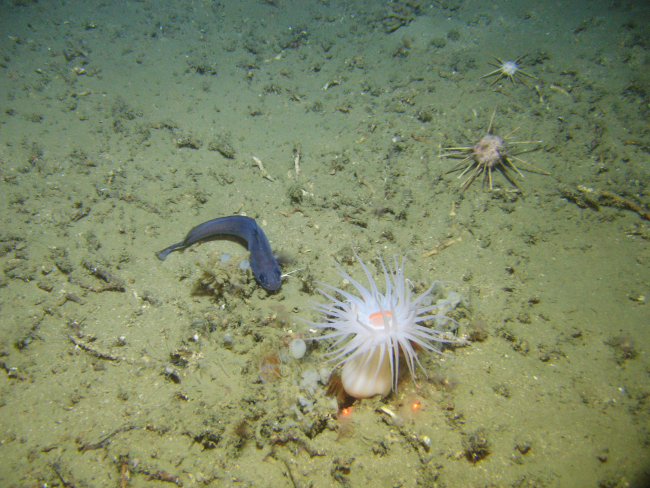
263 263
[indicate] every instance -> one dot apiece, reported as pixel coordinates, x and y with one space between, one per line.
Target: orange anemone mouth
377 319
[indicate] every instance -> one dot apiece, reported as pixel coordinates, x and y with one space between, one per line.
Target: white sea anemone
371 329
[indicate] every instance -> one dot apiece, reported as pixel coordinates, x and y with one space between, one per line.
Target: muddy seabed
124 124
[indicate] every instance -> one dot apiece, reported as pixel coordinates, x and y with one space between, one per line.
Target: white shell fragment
297 348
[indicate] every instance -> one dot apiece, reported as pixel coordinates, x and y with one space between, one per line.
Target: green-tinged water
125 124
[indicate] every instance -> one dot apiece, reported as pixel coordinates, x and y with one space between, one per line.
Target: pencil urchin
489 153
371 328
510 70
